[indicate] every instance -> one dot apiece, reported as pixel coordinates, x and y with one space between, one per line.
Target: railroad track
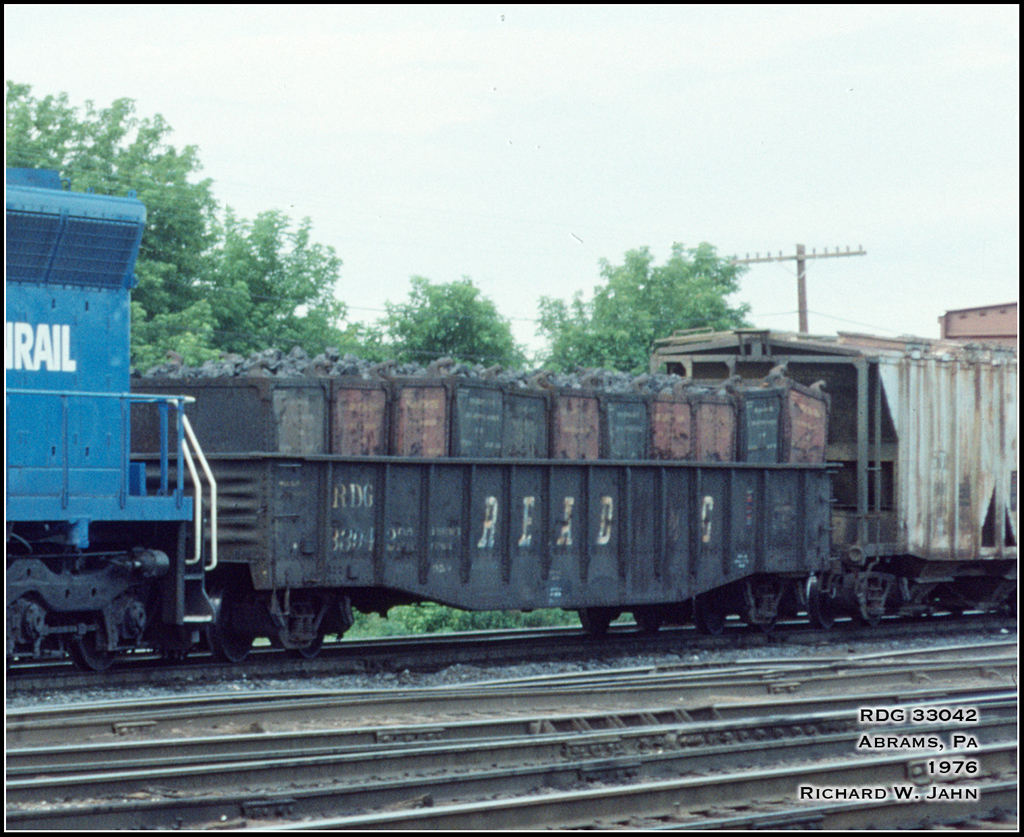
433 652
738 744
645 686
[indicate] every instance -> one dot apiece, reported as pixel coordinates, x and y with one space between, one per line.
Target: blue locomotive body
94 563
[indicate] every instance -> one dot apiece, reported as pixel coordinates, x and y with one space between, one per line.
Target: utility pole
801 270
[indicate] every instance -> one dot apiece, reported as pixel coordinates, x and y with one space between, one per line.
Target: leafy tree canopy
450 320
206 284
638 303
273 285
112 151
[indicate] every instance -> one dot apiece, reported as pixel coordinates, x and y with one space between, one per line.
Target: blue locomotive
97 560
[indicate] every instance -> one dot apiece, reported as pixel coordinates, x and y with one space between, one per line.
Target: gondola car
337 494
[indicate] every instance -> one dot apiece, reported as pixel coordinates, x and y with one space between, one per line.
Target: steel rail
113 754
606 805
33 728
501 766
997 800
428 652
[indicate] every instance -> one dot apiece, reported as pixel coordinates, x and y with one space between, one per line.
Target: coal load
340 403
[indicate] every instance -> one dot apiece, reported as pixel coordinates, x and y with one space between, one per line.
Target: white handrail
197 512
194 442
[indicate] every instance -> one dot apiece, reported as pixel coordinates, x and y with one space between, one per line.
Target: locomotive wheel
90 652
709 615
595 620
226 644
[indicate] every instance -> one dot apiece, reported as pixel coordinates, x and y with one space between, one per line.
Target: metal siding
642 559
525 426
710 527
760 422
805 427
671 430
449 558
956 422
746 523
300 418
95 323
528 544
567 532
626 427
679 511
714 429
358 419
399 538
294 497
242 415
420 419
607 543
354 489
477 421
75 238
485 566
504 535
575 426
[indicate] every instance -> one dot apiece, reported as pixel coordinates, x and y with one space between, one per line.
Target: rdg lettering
353 496
881 715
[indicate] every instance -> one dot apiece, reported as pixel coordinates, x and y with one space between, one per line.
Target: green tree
273 286
450 320
205 285
112 151
639 303
188 332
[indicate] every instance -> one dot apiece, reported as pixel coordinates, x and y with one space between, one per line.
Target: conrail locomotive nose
98 545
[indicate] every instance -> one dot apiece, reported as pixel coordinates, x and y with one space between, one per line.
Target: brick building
985 324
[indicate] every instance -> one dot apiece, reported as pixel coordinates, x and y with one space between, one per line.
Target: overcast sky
520 145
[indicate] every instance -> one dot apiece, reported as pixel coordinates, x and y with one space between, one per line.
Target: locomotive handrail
194 442
124 398
134 396
186 443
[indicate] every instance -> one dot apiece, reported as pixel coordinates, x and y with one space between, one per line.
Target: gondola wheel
821 605
226 643
709 615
